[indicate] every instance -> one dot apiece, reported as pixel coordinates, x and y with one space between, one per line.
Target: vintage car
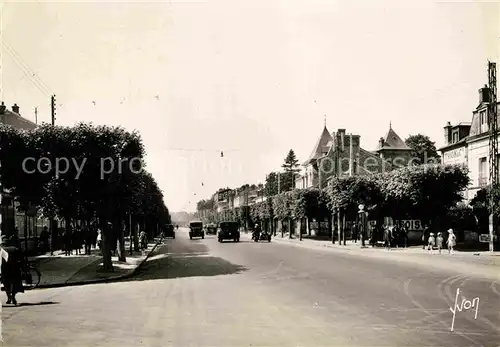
228 231
196 229
211 229
169 231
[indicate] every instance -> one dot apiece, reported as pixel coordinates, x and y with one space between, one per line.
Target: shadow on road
178 266
192 261
32 304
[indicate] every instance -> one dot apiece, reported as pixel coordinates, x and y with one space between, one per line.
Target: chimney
484 94
447 133
15 109
381 142
341 132
2 108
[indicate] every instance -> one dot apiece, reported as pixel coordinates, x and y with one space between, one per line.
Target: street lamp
363 223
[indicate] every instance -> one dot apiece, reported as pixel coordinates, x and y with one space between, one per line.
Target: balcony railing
483 181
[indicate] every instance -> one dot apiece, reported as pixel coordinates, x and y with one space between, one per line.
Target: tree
482 207
347 193
425 192
271 185
291 167
74 183
423 148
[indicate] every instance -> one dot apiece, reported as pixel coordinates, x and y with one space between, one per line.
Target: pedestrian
439 242
431 243
388 237
94 232
99 239
425 236
405 236
76 240
143 240
452 241
12 265
67 242
44 240
87 232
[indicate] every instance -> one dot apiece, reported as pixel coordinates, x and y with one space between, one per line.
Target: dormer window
483 117
455 137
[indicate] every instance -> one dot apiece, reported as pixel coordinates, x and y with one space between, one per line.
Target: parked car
211 229
169 231
196 229
228 231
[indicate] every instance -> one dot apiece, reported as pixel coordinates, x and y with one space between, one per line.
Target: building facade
340 154
468 144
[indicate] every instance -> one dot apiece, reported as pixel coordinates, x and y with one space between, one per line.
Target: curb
370 249
100 280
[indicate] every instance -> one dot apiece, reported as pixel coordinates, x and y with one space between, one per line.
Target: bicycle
30 276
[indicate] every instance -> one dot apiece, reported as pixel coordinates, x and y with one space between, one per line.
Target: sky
253 79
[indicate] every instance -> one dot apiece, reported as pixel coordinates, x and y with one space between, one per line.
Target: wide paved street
202 293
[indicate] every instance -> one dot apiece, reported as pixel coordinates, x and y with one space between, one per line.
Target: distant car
211 229
169 231
228 231
196 229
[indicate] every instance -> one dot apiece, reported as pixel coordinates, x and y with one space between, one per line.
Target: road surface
202 293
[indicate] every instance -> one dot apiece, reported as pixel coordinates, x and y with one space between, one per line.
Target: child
431 243
439 242
452 241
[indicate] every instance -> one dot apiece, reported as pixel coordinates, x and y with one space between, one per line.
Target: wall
476 150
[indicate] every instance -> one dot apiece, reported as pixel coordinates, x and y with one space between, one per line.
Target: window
483 117
483 172
455 137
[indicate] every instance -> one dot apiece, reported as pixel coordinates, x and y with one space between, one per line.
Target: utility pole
36 115
53 109
53 120
493 144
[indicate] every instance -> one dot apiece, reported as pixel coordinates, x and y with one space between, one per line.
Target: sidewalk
479 263
59 270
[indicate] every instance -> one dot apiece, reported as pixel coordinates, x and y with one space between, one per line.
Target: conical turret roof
392 141
322 145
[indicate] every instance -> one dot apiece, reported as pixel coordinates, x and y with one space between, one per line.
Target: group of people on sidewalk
395 236
437 242
398 236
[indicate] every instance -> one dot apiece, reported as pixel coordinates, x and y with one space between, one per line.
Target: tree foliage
423 148
100 174
425 191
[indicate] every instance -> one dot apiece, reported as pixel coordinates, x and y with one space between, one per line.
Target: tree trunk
308 226
289 228
282 229
339 232
343 226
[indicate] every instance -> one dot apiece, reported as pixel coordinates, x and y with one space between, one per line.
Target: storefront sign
455 156
486 238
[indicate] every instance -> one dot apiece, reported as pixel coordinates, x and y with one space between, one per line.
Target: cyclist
12 266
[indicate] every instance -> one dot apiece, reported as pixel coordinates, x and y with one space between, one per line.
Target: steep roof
15 120
322 145
392 141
